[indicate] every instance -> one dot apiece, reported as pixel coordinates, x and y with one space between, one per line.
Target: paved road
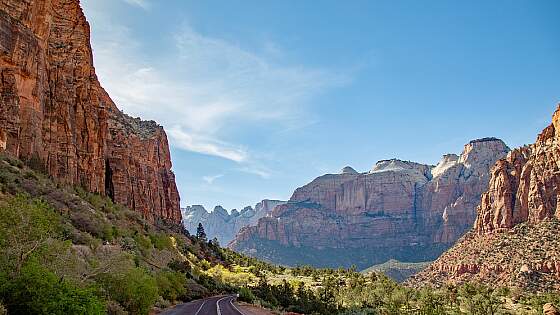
217 305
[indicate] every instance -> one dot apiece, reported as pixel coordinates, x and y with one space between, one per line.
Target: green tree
136 290
27 226
36 290
200 234
171 285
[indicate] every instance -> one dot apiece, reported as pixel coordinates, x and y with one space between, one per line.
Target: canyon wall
223 225
55 115
399 210
515 238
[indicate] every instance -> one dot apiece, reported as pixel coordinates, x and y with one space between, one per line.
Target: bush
161 241
135 290
171 285
92 223
246 295
39 291
26 226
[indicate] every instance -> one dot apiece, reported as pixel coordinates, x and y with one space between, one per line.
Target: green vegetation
399 271
66 251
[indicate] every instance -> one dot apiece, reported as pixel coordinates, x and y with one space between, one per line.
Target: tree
214 242
36 290
26 227
136 290
200 234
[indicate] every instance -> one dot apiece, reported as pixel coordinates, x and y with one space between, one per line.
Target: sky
260 97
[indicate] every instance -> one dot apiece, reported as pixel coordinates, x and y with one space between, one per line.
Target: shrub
161 241
92 223
246 295
171 285
135 290
38 291
26 226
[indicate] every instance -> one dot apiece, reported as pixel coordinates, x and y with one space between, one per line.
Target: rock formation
399 210
55 115
514 242
223 225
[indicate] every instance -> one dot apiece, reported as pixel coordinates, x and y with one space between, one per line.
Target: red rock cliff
55 115
524 185
515 241
399 210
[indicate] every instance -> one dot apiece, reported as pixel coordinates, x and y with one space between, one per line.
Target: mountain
223 225
515 237
56 116
399 210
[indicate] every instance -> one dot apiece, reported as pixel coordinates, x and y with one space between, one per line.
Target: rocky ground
524 257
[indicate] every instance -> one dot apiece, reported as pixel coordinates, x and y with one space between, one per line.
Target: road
217 305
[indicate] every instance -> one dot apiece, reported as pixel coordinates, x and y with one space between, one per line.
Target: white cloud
203 89
256 170
144 4
201 144
210 179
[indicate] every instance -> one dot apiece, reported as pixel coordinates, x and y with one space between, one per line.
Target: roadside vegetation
67 251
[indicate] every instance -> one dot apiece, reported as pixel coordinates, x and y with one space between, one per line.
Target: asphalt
217 305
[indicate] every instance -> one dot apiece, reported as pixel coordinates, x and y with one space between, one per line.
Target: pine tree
200 234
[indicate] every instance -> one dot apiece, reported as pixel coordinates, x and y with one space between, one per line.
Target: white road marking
231 302
201 306
218 305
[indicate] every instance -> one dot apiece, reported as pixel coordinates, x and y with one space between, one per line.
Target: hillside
58 238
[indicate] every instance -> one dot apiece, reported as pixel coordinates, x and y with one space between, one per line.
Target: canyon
56 117
222 224
514 242
399 210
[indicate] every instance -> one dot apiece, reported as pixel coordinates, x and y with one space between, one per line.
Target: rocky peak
348 170
448 161
223 225
525 185
146 129
219 210
194 209
482 152
396 165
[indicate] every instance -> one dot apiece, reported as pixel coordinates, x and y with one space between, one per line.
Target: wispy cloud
203 89
210 179
144 4
202 144
256 170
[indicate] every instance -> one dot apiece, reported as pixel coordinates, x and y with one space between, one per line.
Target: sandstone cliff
223 225
514 242
399 210
55 115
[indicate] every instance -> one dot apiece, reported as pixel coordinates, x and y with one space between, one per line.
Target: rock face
514 242
399 210
55 115
223 225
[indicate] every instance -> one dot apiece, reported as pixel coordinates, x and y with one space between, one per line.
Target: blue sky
260 97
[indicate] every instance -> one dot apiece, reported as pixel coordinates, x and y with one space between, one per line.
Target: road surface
217 305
